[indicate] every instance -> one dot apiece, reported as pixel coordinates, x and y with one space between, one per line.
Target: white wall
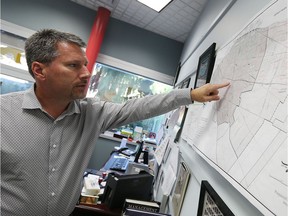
227 25
235 18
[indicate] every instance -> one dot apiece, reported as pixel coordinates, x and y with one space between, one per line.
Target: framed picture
184 84
177 74
210 203
180 122
180 188
182 111
205 66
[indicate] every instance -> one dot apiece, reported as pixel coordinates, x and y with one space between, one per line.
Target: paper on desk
91 185
168 180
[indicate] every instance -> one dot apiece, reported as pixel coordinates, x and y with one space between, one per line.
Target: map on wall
245 133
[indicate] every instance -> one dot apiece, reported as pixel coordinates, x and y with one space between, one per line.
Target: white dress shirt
43 159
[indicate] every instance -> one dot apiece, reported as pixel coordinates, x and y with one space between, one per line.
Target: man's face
67 76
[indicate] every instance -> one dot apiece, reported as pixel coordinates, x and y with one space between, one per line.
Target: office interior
131 48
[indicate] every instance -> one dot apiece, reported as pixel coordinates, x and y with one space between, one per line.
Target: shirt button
53 169
53 194
54 146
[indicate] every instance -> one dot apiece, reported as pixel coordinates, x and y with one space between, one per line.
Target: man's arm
207 92
114 115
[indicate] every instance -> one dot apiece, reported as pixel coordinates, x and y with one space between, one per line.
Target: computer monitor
119 187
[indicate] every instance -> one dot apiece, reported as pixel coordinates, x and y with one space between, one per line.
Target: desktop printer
135 168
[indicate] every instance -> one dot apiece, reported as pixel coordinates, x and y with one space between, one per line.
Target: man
49 131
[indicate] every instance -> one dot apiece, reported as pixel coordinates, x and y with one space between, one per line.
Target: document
160 150
168 180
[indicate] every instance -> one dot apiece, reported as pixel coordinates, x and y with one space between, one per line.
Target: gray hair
42 46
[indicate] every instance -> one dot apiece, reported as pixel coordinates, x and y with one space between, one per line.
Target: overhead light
156 5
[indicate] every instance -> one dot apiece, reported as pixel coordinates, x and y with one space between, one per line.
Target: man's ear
38 70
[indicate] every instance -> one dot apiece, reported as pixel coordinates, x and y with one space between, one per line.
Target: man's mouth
81 85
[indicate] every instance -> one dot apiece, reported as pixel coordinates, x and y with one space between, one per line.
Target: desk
94 210
119 185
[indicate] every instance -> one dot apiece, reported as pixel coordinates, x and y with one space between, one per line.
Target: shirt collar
30 101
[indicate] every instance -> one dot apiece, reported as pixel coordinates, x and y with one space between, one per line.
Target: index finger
222 85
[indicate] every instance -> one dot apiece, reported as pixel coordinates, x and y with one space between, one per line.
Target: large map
245 133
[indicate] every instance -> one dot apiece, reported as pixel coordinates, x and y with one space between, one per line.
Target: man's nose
85 73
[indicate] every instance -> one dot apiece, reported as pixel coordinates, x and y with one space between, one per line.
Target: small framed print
177 74
180 188
182 112
210 203
205 66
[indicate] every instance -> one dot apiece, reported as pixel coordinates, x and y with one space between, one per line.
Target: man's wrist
191 96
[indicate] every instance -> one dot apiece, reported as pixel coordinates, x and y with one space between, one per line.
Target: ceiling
175 21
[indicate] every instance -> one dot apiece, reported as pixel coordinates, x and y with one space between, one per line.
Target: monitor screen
205 66
119 187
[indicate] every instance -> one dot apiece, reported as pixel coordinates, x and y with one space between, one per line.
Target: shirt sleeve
114 115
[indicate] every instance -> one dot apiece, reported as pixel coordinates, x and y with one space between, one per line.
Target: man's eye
72 65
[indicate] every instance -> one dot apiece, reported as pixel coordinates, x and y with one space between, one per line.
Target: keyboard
119 164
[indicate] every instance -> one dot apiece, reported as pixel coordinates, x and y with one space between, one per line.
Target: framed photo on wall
182 111
205 66
180 188
210 203
177 74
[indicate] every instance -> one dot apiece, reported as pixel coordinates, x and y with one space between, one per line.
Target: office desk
94 210
117 189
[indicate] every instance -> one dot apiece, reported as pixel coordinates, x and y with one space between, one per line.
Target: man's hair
42 46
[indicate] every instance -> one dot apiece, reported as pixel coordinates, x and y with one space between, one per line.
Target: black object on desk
116 161
92 210
119 187
138 152
120 164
